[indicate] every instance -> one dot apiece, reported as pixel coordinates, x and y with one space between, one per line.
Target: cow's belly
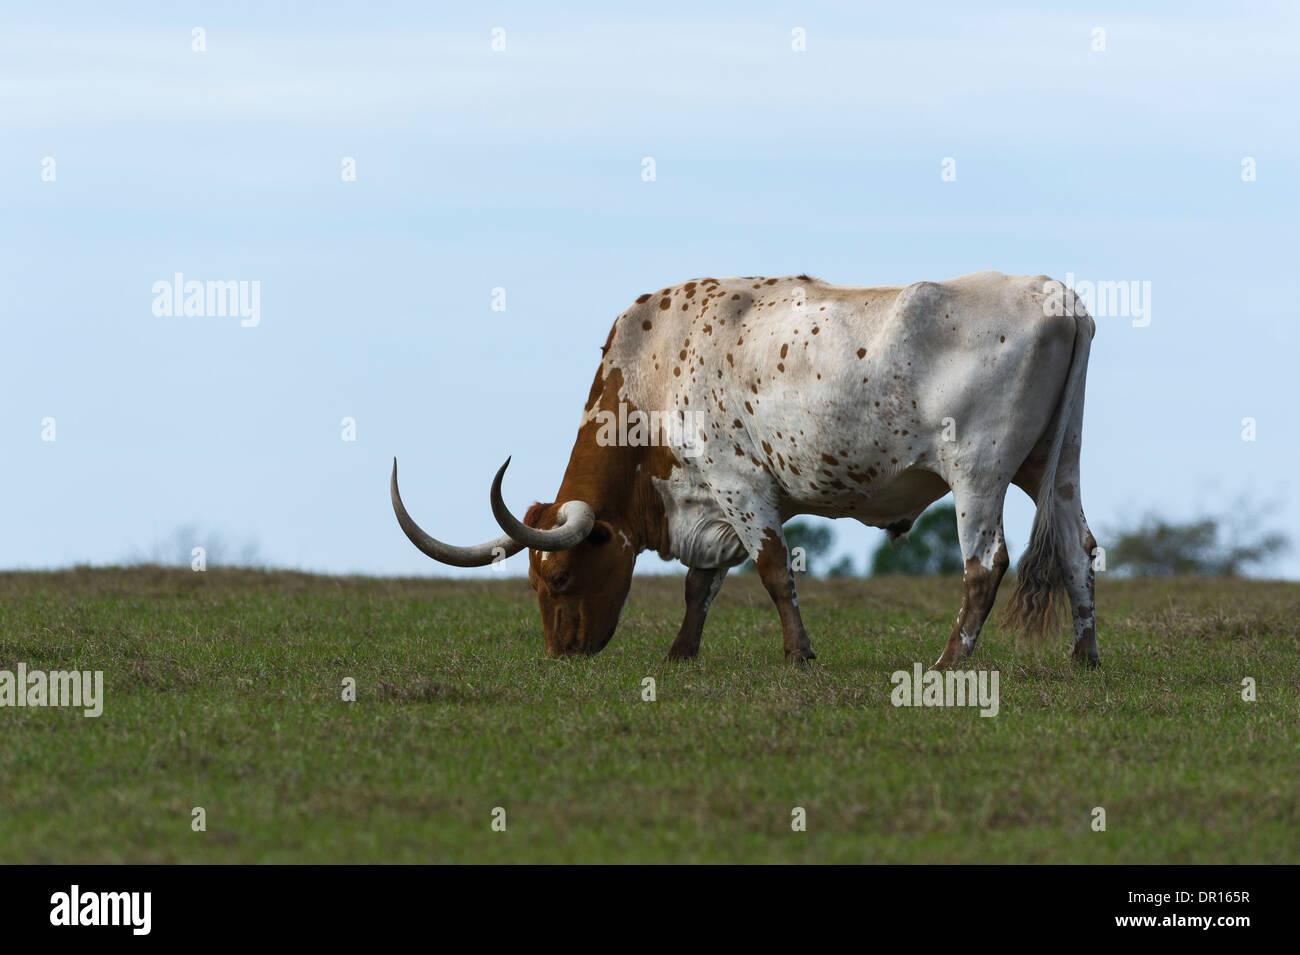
838 454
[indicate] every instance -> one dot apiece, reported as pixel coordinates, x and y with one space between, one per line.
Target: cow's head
579 564
580 590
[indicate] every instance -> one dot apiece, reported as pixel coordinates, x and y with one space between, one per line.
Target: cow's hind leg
979 529
1076 557
1080 583
1077 546
701 587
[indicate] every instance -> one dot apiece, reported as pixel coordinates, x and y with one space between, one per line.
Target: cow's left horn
575 522
480 555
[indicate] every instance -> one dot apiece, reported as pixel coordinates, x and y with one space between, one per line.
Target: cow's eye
600 533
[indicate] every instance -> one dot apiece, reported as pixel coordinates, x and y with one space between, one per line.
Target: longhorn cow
792 396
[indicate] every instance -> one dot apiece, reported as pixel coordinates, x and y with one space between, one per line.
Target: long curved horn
576 520
476 556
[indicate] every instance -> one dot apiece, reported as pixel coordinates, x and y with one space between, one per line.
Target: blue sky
522 169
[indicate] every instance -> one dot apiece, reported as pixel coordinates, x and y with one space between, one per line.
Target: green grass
223 691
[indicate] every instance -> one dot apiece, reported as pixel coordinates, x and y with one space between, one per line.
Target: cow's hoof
682 653
1090 661
801 655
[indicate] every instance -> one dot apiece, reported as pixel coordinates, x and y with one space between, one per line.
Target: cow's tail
1034 607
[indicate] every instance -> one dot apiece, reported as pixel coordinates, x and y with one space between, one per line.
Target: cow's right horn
576 521
477 556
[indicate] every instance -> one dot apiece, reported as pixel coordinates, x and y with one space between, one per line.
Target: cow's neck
617 480
617 483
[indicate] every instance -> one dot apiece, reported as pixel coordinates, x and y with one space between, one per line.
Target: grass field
223 690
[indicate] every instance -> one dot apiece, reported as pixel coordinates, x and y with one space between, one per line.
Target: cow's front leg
701 587
773 563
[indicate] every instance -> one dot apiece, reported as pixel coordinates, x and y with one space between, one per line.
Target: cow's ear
600 534
534 516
